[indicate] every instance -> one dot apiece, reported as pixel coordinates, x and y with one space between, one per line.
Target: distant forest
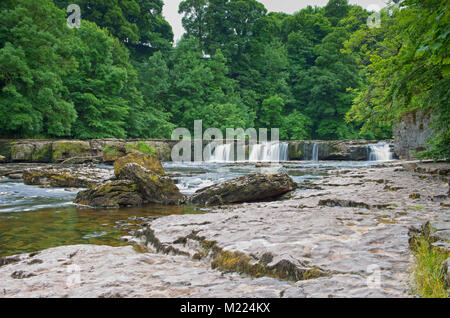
320 73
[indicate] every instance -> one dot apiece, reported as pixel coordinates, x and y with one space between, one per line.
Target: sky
170 10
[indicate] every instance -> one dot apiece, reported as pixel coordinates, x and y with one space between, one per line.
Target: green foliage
141 147
138 23
295 126
406 69
429 273
317 73
33 61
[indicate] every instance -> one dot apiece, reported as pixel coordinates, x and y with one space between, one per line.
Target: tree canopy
320 72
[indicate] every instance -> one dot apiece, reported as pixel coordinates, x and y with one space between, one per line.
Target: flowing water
380 152
262 152
34 218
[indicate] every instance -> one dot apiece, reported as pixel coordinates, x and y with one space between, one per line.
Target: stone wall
108 150
411 134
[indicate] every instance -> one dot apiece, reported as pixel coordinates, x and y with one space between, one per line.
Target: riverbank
345 234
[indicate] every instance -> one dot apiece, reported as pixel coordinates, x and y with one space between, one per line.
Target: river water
34 218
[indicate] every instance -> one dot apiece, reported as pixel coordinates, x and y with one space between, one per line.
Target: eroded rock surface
154 188
251 187
112 194
135 185
73 177
346 238
102 271
149 162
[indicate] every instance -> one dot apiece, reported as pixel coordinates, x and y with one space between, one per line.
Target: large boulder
113 194
251 187
149 162
113 150
155 188
80 177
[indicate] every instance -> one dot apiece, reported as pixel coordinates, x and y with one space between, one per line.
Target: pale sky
288 6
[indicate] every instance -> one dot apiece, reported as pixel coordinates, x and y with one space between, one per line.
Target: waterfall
269 151
315 152
311 148
380 152
222 153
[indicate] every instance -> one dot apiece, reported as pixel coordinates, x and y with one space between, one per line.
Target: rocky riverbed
345 234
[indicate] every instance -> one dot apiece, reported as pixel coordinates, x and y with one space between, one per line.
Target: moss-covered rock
113 150
113 194
60 178
149 162
31 151
154 188
75 177
42 152
22 152
141 147
66 149
251 187
2 159
163 150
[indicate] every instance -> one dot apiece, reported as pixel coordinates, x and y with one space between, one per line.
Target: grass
429 274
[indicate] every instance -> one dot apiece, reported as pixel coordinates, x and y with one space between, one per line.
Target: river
34 218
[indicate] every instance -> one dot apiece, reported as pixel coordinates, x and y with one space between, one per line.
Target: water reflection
32 231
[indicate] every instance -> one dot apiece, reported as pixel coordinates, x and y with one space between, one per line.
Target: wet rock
113 150
15 176
113 194
70 149
355 150
251 187
148 162
9 260
22 275
351 204
77 177
154 188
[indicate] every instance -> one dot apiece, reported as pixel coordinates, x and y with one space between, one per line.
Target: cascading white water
269 151
315 152
222 153
380 152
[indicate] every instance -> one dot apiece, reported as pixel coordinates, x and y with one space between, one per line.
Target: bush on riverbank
429 272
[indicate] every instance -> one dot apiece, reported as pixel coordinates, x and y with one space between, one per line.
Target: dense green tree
336 10
98 86
237 66
200 85
138 23
296 126
406 63
33 60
